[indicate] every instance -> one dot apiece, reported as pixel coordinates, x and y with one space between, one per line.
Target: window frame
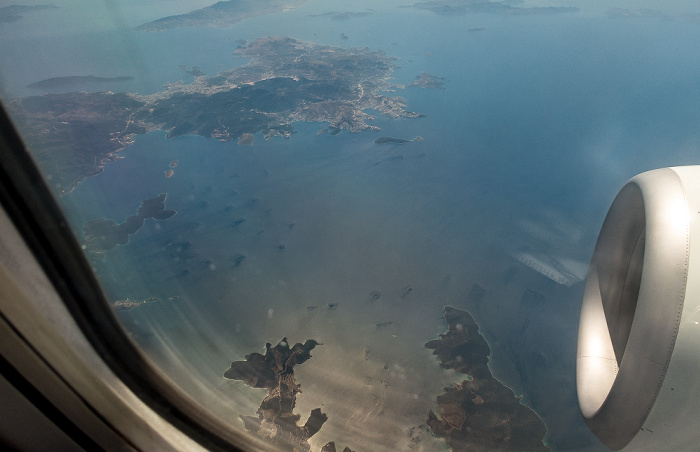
35 214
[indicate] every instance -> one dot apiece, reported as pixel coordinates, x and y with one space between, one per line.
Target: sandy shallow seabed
357 227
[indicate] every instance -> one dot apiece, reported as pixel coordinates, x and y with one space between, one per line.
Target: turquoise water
541 121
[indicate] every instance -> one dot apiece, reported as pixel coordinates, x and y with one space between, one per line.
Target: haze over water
541 120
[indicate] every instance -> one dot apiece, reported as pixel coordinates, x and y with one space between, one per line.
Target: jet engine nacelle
638 360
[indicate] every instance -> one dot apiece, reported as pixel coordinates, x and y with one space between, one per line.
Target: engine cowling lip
616 412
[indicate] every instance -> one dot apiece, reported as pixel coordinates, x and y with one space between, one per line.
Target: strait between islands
478 414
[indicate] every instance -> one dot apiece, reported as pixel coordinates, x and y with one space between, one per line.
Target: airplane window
356 225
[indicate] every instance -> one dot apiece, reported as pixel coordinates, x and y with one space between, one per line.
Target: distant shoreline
64 82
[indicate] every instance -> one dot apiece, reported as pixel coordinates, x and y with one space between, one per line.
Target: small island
386 140
274 371
425 80
126 304
103 235
480 413
459 7
246 139
343 15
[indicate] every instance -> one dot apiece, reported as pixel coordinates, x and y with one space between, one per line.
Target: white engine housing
638 361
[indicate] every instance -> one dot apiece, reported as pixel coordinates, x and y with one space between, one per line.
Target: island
387 140
73 135
195 71
103 235
246 139
13 13
274 371
638 13
155 208
72 80
126 304
223 14
480 413
458 7
425 80
342 15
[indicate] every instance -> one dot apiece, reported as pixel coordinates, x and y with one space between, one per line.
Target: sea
358 245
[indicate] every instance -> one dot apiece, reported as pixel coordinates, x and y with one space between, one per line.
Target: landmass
195 71
103 235
13 13
342 15
126 304
425 80
286 80
386 140
246 139
73 135
480 413
155 208
223 14
458 7
274 371
647 13
72 80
